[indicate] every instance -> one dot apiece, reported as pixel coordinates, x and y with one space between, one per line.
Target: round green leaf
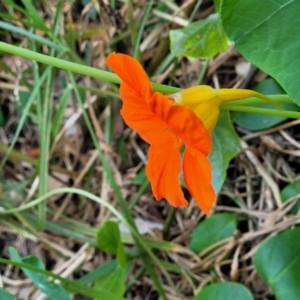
224 291
267 34
254 122
291 190
109 240
222 152
277 261
108 237
212 230
202 39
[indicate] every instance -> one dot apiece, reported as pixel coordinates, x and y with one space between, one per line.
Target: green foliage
108 237
34 16
291 190
99 273
5 295
212 230
24 97
277 262
255 122
267 34
52 290
202 39
18 187
60 111
34 269
114 282
32 36
109 240
222 152
224 291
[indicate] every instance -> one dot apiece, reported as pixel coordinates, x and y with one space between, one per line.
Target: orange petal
135 90
204 101
188 127
139 117
131 72
163 169
197 177
160 105
182 121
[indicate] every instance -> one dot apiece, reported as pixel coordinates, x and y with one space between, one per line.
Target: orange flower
205 101
166 126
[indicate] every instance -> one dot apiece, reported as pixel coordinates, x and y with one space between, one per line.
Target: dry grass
269 160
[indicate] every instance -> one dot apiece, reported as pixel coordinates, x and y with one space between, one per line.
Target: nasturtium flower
205 101
166 126
167 122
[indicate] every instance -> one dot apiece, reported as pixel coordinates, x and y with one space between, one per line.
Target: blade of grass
119 37
140 192
136 276
203 71
164 64
195 10
60 111
33 18
99 272
98 91
137 41
24 115
30 35
36 76
45 130
45 125
143 249
133 27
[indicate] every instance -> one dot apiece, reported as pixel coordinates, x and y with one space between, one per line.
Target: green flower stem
60 63
255 101
264 111
240 105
